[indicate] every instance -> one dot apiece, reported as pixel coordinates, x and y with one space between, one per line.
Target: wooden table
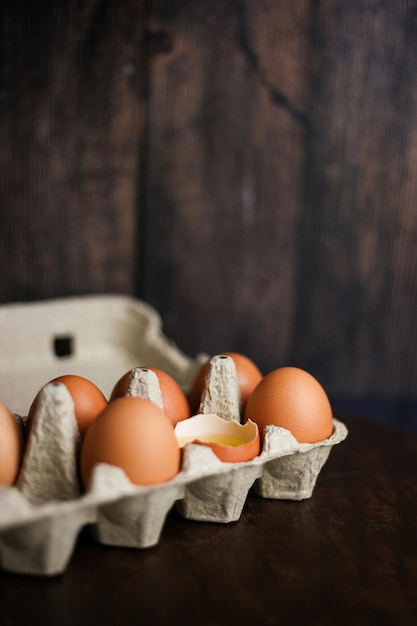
346 556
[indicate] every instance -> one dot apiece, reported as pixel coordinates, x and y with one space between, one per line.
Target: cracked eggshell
231 442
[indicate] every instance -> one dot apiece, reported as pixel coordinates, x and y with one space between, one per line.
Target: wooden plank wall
248 167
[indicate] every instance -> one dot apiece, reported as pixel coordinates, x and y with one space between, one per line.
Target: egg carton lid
99 337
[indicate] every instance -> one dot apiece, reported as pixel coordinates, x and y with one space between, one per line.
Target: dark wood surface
348 555
246 167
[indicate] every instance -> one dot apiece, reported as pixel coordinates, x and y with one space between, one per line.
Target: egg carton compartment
41 517
284 470
40 538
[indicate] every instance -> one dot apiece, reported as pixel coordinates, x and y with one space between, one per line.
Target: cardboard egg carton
284 469
40 518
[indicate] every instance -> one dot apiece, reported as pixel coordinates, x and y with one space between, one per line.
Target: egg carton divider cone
41 517
284 469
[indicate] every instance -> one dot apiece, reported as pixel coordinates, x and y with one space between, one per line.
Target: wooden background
248 167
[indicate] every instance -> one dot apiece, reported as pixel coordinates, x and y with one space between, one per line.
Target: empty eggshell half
231 442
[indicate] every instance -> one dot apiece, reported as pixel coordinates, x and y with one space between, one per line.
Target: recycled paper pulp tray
37 533
101 337
40 539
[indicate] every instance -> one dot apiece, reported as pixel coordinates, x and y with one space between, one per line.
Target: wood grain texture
247 167
357 254
281 187
70 126
224 177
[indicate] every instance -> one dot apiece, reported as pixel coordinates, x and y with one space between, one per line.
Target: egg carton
99 337
41 517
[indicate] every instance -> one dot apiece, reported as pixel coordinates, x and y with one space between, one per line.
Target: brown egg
135 435
293 399
11 447
248 376
230 441
173 398
89 401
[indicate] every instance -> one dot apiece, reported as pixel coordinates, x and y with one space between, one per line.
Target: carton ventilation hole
63 346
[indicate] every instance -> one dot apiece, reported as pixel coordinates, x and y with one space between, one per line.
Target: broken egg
231 442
